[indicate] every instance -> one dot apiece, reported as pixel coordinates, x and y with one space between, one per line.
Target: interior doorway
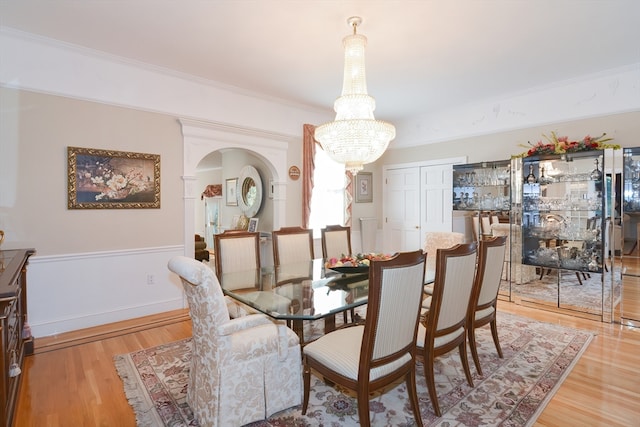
417 198
201 138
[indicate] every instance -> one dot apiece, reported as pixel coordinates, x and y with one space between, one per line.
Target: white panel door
437 196
401 207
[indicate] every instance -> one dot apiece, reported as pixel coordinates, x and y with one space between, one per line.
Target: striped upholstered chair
445 322
482 307
368 357
433 241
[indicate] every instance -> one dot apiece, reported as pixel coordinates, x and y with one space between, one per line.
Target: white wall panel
75 291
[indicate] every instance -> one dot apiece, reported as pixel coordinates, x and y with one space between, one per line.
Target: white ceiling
422 56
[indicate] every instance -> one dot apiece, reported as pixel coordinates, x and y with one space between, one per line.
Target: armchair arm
283 341
241 323
237 309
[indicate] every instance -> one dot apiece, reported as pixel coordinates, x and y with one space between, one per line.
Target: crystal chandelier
355 137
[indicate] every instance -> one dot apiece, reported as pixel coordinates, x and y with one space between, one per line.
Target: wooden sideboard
16 340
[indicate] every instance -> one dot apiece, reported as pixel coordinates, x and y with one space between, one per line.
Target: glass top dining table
301 291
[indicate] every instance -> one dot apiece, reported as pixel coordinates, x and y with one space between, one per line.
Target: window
327 198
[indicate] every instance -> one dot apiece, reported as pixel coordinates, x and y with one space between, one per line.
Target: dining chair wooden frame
484 296
368 357
444 325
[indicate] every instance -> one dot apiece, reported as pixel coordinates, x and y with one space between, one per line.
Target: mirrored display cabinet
629 309
565 222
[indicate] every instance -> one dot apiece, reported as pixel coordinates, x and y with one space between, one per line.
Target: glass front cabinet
629 309
481 203
563 221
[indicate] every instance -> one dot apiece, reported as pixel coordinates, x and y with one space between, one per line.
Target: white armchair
433 241
242 370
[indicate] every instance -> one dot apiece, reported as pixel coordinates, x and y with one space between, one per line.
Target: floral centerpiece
561 144
357 260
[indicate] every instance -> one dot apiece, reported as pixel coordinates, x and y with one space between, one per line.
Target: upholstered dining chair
435 240
485 225
242 370
336 241
293 257
477 232
236 251
238 259
368 357
292 246
443 327
484 297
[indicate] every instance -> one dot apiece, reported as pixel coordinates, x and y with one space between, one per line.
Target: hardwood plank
79 386
602 388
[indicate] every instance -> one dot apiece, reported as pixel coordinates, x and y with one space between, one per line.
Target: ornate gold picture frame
108 179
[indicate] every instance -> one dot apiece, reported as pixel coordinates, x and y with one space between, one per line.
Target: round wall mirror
249 191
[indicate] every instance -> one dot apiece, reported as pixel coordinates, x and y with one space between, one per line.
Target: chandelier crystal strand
355 137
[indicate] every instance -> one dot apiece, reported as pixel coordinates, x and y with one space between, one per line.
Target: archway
202 138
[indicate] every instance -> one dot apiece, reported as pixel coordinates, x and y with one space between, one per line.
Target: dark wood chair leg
494 333
465 362
474 351
410 380
431 384
306 376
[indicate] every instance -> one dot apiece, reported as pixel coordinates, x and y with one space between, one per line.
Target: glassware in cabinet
562 211
482 186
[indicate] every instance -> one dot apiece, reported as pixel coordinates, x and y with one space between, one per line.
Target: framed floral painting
107 179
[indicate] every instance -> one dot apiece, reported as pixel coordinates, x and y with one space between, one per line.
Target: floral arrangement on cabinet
561 144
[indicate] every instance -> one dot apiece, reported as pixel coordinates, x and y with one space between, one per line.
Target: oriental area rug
513 391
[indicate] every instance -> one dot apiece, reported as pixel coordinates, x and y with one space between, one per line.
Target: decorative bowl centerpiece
351 264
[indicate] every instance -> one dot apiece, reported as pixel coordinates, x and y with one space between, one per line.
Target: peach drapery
308 167
348 198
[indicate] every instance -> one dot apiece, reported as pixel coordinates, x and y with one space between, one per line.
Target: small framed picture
253 225
232 198
364 187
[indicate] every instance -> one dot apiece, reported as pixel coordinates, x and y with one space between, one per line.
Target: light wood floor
78 385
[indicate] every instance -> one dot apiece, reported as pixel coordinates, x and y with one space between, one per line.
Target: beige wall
36 130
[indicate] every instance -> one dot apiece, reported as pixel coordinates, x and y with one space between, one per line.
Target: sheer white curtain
328 196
